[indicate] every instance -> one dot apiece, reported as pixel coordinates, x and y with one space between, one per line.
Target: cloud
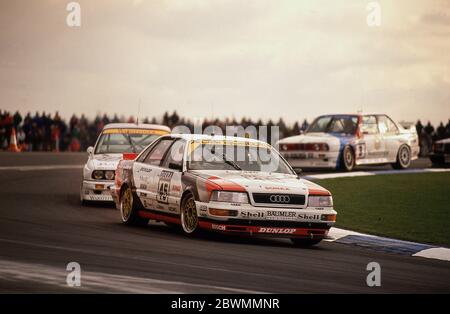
261 58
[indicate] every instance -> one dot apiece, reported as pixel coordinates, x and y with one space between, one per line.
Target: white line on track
102 282
371 173
441 253
39 168
143 258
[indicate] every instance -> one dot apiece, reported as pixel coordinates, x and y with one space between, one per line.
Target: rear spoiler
129 156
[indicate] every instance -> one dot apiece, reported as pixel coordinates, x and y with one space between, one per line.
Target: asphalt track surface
43 227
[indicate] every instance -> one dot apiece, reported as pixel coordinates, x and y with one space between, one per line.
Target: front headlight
229 197
97 174
109 175
320 201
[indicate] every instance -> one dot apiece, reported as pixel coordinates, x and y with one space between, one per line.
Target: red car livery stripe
227 185
159 217
288 231
319 192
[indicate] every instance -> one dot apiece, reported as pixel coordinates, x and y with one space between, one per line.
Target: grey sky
259 59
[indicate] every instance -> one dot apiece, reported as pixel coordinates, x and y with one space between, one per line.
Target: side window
157 153
386 125
392 128
369 125
145 152
175 155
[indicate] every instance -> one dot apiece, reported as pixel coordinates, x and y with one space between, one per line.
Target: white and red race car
224 184
114 140
345 141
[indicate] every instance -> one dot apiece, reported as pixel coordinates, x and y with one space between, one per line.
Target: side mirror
175 166
90 150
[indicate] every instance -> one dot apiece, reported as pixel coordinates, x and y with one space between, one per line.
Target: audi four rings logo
280 199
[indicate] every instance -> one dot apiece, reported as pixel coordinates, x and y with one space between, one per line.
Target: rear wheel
188 216
301 242
129 209
347 159
403 158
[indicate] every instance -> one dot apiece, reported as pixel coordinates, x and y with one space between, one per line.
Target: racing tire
403 158
302 242
129 210
188 216
347 161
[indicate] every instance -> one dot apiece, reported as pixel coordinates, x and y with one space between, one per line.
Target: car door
389 133
169 185
372 139
147 172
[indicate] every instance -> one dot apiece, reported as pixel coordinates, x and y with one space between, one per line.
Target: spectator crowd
46 132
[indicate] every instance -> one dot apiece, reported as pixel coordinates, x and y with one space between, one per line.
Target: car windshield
235 155
334 124
118 141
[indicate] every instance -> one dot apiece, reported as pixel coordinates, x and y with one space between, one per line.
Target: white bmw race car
223 184
114 140
344 141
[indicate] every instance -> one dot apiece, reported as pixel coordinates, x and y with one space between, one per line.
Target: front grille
279 199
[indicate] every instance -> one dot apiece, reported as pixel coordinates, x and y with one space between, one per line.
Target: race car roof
196 137
136 126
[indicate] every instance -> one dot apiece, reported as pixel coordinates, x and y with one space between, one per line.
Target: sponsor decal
134 131
218 227
252 214
277 188
281 215
277 230
144 169
176 188
143 186
203 208
172 209
164 186
308 217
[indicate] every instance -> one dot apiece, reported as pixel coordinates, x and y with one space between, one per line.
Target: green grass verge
414 207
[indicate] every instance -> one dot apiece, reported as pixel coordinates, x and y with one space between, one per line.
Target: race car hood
254 182
106 161
334 140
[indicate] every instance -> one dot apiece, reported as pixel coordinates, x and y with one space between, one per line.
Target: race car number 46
277 230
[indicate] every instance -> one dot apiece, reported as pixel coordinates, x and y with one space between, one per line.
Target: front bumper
97 190
302 159
267 221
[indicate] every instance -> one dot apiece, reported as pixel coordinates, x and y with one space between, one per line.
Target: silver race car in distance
114 140
344 141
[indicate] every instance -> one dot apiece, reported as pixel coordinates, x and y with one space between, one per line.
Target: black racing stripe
268 223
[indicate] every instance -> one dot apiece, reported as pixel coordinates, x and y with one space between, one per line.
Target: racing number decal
164 187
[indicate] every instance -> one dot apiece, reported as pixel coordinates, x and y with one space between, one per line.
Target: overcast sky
259 59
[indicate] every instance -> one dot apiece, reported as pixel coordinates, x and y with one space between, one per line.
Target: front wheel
188 216
347 159
403 158
301 242
128 209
